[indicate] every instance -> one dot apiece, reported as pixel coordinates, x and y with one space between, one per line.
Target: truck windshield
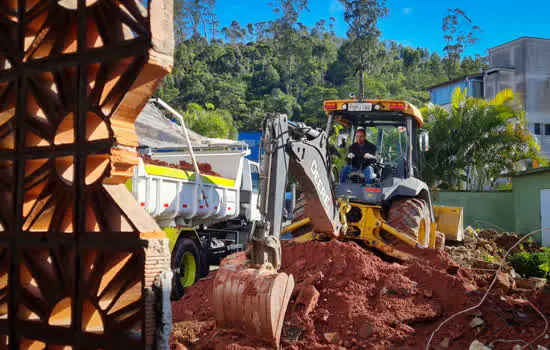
255 178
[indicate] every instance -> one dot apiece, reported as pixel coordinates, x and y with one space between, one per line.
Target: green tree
477 142
362 17
287 67
210 122
458 33
193 18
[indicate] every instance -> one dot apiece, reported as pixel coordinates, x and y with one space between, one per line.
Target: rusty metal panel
74 75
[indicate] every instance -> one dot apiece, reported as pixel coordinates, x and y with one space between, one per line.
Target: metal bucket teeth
252 301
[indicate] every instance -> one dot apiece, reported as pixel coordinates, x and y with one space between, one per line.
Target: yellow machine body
369 230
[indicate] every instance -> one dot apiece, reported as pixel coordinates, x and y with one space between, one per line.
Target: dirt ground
367 302
205 168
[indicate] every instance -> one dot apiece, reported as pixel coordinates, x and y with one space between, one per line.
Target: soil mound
367 302
205 168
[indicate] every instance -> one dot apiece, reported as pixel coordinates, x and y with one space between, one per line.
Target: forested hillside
233 75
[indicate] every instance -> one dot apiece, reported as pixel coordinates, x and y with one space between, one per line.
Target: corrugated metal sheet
442 95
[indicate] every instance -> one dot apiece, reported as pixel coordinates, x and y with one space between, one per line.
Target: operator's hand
369 156
351 155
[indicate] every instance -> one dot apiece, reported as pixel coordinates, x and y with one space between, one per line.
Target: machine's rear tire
411 216
186 257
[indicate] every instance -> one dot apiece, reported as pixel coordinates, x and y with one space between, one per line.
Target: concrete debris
476 322
477 345
504 282
531 283
485 249
445 343
539 283
332 338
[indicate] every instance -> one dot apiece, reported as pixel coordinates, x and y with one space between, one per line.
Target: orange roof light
397 105
331 105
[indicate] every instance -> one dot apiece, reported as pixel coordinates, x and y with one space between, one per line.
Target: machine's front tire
186 261
411 216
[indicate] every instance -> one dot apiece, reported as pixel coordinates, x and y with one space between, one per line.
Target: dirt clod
307 298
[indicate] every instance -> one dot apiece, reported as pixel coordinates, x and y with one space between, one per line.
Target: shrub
531 264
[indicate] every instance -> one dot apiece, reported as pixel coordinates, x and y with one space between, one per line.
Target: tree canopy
477 141
247 70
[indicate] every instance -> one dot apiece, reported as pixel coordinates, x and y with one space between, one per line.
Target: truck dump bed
169 195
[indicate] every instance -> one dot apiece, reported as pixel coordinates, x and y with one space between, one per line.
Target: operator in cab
361 155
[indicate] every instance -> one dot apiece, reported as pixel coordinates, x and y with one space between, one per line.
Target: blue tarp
253 139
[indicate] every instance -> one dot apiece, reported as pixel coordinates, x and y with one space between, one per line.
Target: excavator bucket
449 221
251 301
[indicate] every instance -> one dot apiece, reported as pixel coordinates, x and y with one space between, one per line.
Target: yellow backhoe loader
377 199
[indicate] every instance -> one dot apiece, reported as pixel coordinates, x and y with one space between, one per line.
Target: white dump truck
206 217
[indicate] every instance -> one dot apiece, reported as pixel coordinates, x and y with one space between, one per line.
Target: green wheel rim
188 269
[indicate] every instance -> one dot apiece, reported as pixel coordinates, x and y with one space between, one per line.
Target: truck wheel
411 216
186 262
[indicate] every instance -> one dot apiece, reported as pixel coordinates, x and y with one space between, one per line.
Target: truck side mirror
424 140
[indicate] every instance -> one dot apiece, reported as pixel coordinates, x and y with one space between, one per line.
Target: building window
537 129
546 129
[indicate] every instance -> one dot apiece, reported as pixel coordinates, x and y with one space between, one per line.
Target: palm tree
478 141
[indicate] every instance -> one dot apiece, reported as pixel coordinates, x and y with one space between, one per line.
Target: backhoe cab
393 206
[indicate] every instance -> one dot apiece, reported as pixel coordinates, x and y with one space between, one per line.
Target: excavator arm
253 297
300 150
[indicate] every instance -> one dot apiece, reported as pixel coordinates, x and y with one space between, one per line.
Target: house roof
452 81
531 171
498 69
516 40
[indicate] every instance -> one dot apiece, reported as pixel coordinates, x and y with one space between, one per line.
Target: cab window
255 178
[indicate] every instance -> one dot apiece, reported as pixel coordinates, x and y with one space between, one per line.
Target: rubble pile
348 297
205 168
485 250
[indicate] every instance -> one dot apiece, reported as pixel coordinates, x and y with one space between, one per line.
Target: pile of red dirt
366 302
204 168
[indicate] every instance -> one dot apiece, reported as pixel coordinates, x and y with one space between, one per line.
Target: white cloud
407 10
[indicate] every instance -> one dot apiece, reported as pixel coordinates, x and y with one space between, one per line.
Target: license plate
360 107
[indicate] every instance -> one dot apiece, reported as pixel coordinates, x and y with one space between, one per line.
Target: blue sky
417 23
